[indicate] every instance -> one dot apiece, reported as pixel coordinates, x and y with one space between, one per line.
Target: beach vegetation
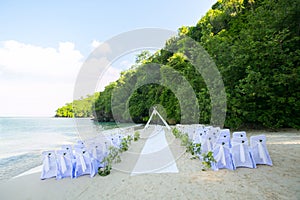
126 141
184 140
176 132
194 149
207 160
114 153
112 157
136 136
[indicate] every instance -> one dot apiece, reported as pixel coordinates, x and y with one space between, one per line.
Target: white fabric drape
63 164
221 155
261 152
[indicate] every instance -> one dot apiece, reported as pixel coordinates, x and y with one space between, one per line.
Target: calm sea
23 139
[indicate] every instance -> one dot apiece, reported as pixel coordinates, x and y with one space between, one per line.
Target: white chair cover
65 163
190 131
69 149
222 155
206 144
259 150
97 155
49 169
79 145
196 138
239 134
225 134
241 154
84 163
116 140
213 133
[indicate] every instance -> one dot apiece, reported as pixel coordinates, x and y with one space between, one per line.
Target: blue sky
44 43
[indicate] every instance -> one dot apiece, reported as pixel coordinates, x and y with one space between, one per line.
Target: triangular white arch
155 112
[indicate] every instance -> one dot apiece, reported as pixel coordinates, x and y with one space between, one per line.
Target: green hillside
255 46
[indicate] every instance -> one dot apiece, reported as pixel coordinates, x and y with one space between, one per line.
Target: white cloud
20 58
36 80
33 99
95 44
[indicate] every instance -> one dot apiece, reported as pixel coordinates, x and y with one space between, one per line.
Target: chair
259 150
65 164
97 156
206 144
198 135
196 138
213 134
119 139
68 148
222 155
84 164
225 134
239 134
199 128
49 169
241 154
116 141
190 131
79 145
215 131
202 137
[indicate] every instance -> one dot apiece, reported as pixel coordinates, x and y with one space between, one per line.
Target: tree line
255 46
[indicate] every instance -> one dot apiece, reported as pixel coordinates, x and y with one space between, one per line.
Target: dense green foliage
255 46
78 108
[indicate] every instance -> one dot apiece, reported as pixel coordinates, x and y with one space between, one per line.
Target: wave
15 165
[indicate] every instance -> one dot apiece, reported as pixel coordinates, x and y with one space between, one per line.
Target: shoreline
280 181
33 170
20 160
38 168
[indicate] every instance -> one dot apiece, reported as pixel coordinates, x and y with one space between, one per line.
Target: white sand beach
281 181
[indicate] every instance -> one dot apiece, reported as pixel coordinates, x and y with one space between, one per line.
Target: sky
43 44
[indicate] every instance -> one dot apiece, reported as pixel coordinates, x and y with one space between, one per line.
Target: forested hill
78 108
255 46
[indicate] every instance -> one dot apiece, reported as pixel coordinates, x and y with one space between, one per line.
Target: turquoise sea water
23 139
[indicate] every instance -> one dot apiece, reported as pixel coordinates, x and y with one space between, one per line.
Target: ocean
22 140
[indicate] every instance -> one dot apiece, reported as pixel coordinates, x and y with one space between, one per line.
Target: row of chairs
78 159
229 152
